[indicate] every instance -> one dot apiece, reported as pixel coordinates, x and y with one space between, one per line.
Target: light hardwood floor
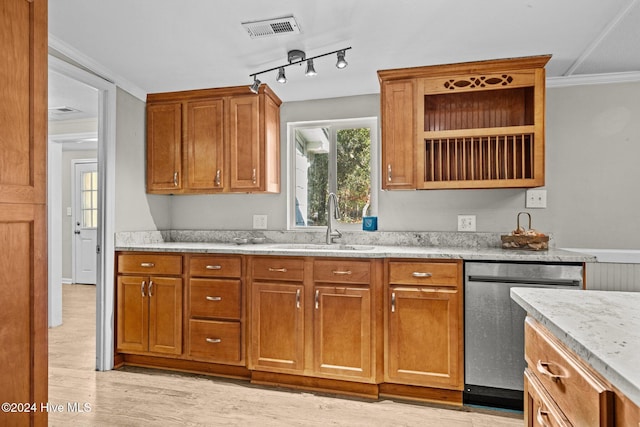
144 397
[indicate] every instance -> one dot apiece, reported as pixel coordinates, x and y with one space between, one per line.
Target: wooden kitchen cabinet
216 309
342 319
424 326
225 140
398 134
277 315
471 125
149 306
164 148
583 398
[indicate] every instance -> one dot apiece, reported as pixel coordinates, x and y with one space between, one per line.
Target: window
89 199
331 157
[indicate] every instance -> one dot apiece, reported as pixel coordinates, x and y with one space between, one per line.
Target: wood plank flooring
145 397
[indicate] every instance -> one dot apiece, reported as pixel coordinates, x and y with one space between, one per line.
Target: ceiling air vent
272 27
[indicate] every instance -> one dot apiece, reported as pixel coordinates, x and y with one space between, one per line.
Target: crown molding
593 79
94 67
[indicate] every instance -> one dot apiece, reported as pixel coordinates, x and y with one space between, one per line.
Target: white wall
593 146
135 210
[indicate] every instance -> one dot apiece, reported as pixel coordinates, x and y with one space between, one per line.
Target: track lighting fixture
310 70
281 77
297 57
255 85
341 61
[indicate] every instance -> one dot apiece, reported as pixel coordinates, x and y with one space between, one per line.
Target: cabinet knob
175 179
389 172
317 299
210 298
147 264
213 267
393 302
297 298
253 176
150 288
218 179
213 340
419 274
142 285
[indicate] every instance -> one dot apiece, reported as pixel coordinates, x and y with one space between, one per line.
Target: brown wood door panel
23 111
342 331
23 317
277 327
398 135
133 313
425 337
205 145
165 315
164 148
245 144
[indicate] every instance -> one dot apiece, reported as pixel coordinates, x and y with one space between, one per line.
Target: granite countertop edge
373 251
601 327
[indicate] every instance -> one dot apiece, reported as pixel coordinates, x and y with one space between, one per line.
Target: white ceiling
167 45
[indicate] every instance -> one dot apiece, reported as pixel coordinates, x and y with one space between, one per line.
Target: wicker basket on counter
525 239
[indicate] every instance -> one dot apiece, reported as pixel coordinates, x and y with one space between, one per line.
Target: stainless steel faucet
332 214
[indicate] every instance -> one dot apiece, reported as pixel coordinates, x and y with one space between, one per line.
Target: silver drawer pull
393 302
342 273
210 298
213 340
147 264
213 267
142 285
150 288
317 299
543 369
540 417
297 298
419 274
277 270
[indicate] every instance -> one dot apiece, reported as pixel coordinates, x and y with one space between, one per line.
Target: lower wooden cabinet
149 314
277 327
424 331
582 397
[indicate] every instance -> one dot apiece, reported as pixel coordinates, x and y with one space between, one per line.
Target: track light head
255 85
342 63
311 71
281 77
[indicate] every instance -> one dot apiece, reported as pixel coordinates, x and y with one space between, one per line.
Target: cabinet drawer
215 298
208 266
215 341
278 269
540 409
424 273
342 271
584 398
150 264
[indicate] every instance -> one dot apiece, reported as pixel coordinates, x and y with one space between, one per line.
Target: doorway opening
87 131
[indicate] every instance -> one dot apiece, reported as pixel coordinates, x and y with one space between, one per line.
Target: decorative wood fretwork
479 81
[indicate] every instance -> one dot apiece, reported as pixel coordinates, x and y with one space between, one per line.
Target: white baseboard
67 281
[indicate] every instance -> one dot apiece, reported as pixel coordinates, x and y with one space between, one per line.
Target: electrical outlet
260 222
536 199
466 223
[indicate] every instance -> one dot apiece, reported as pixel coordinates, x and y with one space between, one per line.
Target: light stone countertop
602 327
361 251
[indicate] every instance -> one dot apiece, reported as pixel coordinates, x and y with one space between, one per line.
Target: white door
85 222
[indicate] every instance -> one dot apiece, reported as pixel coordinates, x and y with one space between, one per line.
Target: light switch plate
536 199
259 222
466 223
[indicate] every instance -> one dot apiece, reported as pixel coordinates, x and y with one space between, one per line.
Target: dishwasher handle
524 280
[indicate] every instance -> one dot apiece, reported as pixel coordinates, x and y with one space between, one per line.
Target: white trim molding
91 65
593 79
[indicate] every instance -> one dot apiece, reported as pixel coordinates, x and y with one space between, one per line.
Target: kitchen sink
321 247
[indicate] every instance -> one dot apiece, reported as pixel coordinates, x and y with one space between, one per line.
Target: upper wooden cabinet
224 140
468 125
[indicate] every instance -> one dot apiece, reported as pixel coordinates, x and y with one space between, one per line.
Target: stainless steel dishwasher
494 326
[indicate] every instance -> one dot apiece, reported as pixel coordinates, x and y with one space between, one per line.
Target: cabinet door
164 148
342 331
205 145
165 315
277 327
424 337
398 135
133 313
245 145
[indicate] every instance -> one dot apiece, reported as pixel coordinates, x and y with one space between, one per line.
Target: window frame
334 126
